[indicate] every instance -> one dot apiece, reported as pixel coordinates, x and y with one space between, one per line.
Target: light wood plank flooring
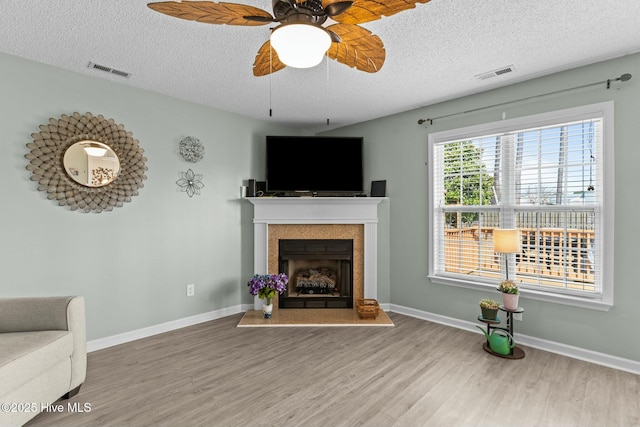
414 374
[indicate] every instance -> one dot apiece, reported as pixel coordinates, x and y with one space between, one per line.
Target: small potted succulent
489 308
510 294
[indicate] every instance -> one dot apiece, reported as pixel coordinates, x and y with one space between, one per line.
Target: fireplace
355 218
320 273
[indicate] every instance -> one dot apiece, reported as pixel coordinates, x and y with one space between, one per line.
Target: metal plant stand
516 352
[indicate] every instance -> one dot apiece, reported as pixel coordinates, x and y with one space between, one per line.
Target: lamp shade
506 241
300 45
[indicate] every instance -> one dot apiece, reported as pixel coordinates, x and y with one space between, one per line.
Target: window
551 177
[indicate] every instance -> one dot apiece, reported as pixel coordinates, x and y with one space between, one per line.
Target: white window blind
544 177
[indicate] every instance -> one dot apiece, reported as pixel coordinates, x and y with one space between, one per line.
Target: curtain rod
623 78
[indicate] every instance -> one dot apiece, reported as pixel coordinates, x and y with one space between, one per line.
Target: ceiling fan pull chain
327 89
270 77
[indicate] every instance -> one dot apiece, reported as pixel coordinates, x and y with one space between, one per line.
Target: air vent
108 69
504 71
494 73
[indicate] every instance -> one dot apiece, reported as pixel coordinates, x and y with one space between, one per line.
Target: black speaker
251 188
378 188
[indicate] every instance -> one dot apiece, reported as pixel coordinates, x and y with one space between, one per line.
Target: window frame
604 110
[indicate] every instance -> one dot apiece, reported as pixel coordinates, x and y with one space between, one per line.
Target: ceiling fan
301 27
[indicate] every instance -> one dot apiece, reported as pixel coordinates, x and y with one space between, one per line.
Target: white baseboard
550 346
603 359
100 343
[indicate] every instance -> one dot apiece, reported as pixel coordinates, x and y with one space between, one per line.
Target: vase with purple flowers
265 286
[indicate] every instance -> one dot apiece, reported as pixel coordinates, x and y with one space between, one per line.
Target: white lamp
506 241
300 45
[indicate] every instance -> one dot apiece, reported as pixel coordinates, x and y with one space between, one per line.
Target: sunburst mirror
86 162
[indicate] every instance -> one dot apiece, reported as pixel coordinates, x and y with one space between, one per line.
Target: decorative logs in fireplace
320 272
316 281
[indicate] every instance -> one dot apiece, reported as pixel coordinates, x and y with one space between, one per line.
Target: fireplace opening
320 273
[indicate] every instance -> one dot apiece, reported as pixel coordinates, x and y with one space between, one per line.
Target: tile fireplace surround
345 217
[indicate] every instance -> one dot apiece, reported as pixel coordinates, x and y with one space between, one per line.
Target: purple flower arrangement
266 285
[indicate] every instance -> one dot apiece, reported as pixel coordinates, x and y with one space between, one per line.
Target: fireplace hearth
320 273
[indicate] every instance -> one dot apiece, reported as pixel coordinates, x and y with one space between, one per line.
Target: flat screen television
315 164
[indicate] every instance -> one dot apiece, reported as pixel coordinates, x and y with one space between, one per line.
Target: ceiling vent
108 69
495 73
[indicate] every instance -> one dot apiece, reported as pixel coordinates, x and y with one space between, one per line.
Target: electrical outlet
191 290
517 316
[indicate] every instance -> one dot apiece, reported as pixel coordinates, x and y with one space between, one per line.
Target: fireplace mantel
315 210
318 210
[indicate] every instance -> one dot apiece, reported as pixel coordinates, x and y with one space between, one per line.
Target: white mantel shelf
315 210
318 210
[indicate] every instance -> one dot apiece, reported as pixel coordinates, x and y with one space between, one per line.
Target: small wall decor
191 149
190 182
86 162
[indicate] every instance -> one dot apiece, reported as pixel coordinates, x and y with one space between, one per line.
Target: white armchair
43 354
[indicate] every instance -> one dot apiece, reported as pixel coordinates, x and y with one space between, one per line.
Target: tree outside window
466 181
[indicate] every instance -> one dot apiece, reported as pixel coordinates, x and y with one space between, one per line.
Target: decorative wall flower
191 149
190 182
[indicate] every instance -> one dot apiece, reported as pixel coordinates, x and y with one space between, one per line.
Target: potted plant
510 294
489 308
265 287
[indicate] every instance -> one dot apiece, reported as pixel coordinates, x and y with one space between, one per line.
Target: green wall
131 264
396 149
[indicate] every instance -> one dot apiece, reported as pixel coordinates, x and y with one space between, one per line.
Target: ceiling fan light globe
300 45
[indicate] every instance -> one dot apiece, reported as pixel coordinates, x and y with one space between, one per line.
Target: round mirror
60 176
91 163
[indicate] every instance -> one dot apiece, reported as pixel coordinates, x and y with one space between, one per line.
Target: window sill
590 303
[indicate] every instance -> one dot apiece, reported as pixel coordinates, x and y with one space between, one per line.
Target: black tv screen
315 164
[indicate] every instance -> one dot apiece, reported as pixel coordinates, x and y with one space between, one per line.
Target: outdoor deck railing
547 254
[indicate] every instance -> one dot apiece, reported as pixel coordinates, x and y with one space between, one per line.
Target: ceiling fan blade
267 61
359 48
334 37
214 13
337 7
369 10
265 19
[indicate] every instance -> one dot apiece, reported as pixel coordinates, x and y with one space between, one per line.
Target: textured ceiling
434 53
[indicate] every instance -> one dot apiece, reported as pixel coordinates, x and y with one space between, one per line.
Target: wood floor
414 374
